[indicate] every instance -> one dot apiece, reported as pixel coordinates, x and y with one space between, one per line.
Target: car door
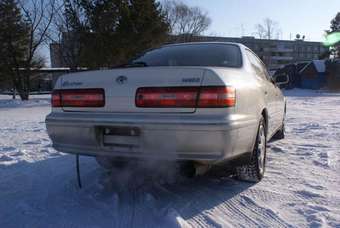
278 101
267 88
280 105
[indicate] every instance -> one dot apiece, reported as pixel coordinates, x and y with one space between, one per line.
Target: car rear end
164 112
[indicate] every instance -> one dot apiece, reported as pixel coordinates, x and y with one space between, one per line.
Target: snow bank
35 100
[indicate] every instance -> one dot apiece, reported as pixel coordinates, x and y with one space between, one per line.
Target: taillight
171 97
215 97
56 100
186 97
78 98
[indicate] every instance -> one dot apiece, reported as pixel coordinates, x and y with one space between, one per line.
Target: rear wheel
254 171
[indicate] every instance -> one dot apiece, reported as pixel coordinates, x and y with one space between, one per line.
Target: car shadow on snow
45 192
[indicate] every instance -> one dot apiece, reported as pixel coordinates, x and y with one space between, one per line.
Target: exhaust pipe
192 169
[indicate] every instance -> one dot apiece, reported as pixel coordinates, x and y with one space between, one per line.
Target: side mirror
281 79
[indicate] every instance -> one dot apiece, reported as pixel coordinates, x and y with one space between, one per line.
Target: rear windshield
219 55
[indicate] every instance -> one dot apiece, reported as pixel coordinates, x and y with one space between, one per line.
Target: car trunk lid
120 86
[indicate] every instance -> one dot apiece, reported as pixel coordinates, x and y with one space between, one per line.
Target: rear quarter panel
249 103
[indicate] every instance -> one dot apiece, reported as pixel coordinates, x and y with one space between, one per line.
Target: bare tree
67 29
185 21
38 16
269 29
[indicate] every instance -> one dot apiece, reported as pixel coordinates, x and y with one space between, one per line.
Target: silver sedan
211 104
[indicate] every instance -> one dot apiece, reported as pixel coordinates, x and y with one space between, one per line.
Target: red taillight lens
171 97
56 100
78 98
214 97
185 97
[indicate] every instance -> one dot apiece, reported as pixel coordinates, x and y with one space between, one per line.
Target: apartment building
275 53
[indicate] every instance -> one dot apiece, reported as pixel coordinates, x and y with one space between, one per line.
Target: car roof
208 42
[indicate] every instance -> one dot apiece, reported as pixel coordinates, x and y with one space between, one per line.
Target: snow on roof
320 65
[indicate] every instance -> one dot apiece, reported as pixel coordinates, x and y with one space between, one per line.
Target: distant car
207 103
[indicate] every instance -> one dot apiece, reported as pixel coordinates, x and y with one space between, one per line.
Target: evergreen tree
335 23
22 31
113 31
142 26
335 27
13 43
73 31
101 42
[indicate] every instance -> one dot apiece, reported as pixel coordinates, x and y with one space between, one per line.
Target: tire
254 171
187 169
110 163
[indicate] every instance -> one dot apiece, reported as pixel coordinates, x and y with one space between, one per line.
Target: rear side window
219 55
258 66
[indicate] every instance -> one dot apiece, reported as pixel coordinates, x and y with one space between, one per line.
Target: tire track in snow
235 207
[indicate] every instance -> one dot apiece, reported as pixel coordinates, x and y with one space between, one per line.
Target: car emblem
121 79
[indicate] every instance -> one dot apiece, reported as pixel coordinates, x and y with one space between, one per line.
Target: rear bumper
204 139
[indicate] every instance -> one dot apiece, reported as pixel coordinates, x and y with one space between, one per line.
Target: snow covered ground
301 187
